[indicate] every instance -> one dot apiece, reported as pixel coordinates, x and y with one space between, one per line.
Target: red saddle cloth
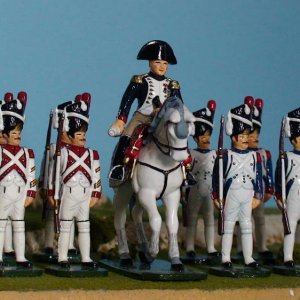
136 143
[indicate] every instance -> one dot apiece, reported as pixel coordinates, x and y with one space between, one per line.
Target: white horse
158 175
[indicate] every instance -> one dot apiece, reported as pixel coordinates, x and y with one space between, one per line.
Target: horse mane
172 102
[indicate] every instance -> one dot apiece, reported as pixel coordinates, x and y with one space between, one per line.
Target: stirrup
116 180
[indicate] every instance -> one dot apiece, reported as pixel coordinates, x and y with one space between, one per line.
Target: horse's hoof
126 262
145 257
177 267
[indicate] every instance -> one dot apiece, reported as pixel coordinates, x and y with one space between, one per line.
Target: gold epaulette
174 85
138 78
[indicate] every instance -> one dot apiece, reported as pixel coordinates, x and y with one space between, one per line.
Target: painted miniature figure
242 178
46 182
8 242
151 90
17 177
268 184
200 194
80 185
287 184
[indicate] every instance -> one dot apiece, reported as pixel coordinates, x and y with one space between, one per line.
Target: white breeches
293 212
238 207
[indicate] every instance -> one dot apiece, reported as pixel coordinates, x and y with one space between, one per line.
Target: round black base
240 272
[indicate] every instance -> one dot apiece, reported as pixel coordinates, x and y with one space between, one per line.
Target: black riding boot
117 172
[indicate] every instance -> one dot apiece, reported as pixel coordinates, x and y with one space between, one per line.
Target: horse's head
171 128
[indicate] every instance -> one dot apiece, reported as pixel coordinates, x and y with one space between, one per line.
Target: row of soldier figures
152 146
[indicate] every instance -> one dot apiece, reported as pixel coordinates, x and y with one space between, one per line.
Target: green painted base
9 260
197 260
240 272
75 272
159 271
52 258
282 270
13 271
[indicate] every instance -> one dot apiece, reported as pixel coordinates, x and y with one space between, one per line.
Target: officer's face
240 141
79 139
203 141
253 139
158 67
13 138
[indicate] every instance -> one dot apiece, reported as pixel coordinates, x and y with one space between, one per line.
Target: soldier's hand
28 201
51 201
117 128
255 203
216 203
93 201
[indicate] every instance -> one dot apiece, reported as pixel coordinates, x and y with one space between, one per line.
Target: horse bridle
159 144
167 172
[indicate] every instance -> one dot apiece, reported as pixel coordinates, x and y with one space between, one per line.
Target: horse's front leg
147 200
121 199
171 201
137 216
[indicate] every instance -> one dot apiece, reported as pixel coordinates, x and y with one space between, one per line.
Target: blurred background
226 50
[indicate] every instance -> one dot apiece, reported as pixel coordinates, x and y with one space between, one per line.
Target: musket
285 219
45 167
185 190
221 179
56 174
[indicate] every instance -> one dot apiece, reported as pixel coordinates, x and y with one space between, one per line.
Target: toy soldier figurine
200 194
80 184
17 177
242 183
8 244
151 90
268 184
290 173
46 182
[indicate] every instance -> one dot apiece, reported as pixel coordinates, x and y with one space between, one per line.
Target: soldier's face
203 141
2 139
13 138
253 139
158 67
79 139
240 141
296 143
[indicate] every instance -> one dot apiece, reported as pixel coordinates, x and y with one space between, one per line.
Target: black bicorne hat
205 118
12 111
257 112
77 113
157 50
292 123
240 118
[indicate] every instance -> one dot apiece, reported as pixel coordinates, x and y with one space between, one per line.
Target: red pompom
249 101
211 105
86 97
8 97
22 96
259 103
77 98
